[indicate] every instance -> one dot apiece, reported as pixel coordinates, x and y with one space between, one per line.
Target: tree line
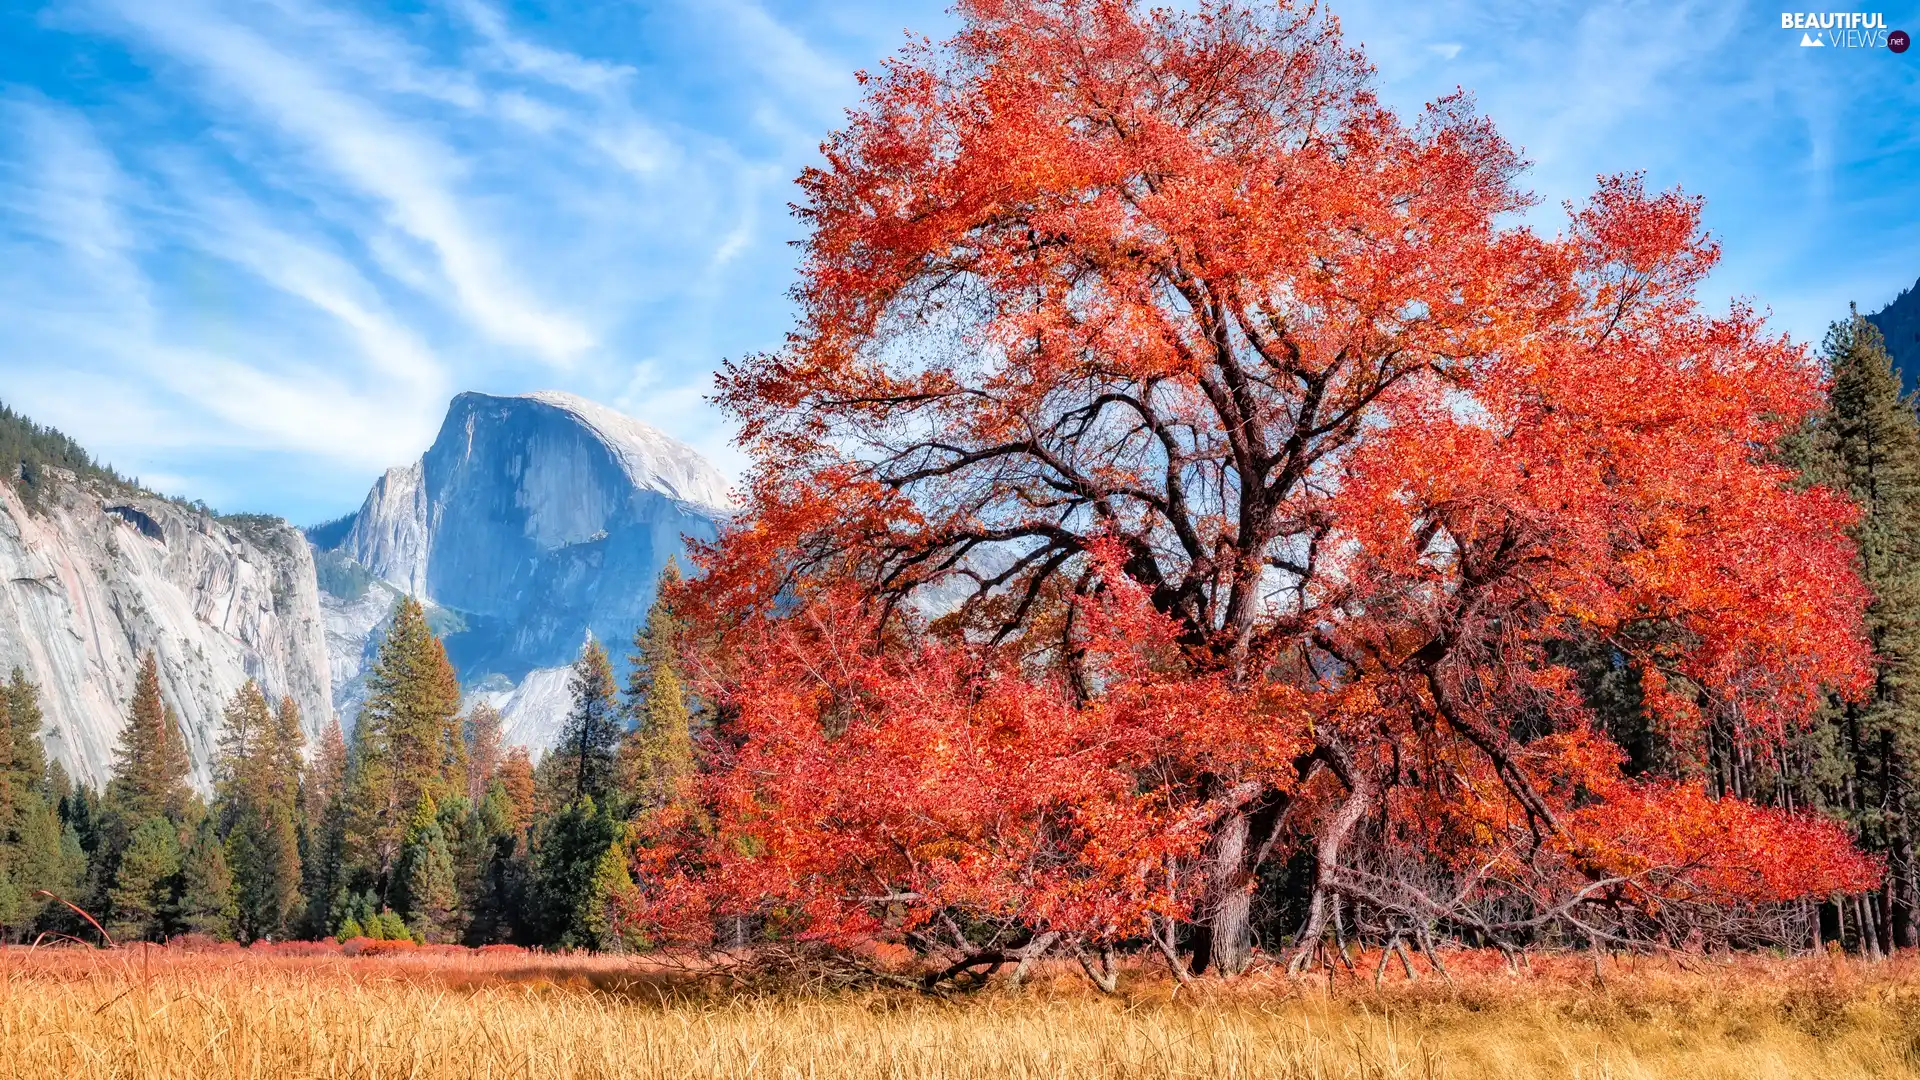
425 826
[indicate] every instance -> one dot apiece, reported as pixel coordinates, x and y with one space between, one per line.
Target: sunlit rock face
531 522
93 576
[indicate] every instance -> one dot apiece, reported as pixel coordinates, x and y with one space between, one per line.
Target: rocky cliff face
531 522
97 575
1899 323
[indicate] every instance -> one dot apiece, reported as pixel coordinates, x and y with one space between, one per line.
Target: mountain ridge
1899 323
532 521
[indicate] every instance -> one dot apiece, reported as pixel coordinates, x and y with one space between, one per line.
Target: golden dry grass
77 1014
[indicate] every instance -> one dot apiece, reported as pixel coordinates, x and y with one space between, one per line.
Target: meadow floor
156 1013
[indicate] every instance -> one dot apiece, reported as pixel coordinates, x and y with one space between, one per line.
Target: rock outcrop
531 522
94 575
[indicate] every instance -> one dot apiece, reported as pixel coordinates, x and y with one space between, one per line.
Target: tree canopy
1260 464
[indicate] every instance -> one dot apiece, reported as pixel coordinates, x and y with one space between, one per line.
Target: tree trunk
1910 890
1031 952
1222 936
1229 914
1863 914
1902 933
1103 968
1327 855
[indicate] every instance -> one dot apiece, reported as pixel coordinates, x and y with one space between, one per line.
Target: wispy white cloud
67 190
226 225
405 168
104 355
782 55
247 240
296 227
556 66
1792 148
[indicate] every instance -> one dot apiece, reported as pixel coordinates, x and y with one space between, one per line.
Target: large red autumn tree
1182 464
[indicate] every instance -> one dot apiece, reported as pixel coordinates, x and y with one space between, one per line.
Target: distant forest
425 828
27 449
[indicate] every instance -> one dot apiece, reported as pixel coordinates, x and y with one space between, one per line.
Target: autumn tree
486 745
1256 458
515 780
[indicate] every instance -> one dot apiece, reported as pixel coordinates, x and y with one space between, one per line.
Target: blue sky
249 248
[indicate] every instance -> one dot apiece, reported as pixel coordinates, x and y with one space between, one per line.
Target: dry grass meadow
164 1013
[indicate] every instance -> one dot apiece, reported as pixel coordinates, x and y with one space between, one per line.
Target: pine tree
147 800
78 806
150 767
276 898
204 895
25 757
429 893
571 891
46 859
257 775
176 764
1867 444
486 744
657 755
326 779
488 842
323 824
143 881
391 928
407 746
515 778
237 754
600 922
10 784
587 753
35 856
30 831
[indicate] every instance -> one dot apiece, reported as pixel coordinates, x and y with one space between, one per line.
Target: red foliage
361 946
1263 461
323 947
